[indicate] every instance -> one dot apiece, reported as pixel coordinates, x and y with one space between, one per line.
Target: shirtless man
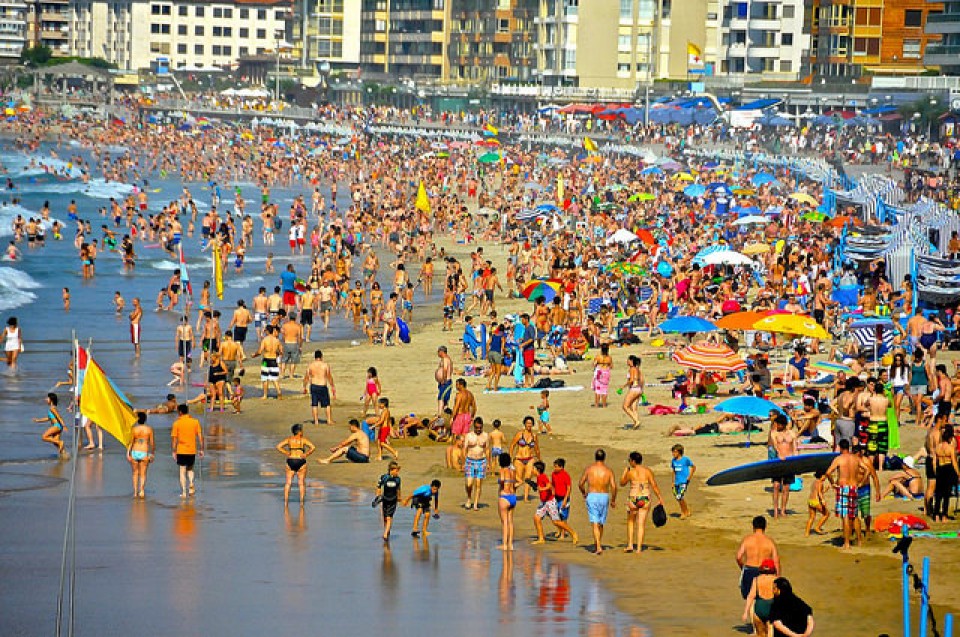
878 431
476 451
274 303
326 294
318 382
356 447
270 349
845 466
166 407
141 452
308 303
784 442
231 353
444 378
136 315
599 488
240 323
291 333
844 428
866 475
930 443
260 304
754 549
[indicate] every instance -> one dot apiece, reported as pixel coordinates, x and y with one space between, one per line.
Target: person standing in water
507 500
12 342
599 488
140 453
187 445
53 435
297 449
136 315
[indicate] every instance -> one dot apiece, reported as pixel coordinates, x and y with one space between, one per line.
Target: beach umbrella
727 257
815 217
683 177
651 170
791 324
489 158
631 269
833 368
606 207
646 236
443 155
687 325
744 192
695 190
761 179
752 406
842 220
642 196
532 185
752 249
751 219
803 197
547 289
622 236
714 357
528 214
720 188
740 320
546 207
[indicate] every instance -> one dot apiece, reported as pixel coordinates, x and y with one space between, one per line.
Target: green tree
36 55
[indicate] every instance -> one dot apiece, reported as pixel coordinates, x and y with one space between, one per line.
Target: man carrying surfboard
845 467
784 443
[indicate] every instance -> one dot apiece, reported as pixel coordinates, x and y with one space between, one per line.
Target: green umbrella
616 187
489 158
606 207
642 196
817 217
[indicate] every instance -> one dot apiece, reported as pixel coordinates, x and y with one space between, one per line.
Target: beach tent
622 236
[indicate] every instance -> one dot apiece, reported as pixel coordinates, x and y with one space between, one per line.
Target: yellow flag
589 145
560 193
102 402
217 271
423 201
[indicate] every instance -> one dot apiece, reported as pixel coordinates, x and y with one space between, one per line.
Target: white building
765 39
13 29
134 34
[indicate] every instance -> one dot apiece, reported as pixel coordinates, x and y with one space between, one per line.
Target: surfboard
768 469
403 330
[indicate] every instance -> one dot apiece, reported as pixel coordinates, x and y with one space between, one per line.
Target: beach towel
663 410
521 390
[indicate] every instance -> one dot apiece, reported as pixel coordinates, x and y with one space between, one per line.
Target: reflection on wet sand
221 444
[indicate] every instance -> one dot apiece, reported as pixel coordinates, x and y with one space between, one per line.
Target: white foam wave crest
243 281
95 188
15 286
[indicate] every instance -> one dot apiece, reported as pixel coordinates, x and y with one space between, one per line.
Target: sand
685 582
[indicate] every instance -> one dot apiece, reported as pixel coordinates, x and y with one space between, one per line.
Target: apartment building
491 41
134 34
405 38
946 25
763 39
48 24
328 31
871 37
13 30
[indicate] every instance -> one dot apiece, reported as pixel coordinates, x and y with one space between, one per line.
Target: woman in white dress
12 341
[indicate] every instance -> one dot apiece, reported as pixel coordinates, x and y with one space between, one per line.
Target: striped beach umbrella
713 357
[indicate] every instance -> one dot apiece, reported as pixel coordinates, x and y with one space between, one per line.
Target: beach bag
403 331
543 383
659 515
557 384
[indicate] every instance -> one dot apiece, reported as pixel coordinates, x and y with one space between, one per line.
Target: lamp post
277 34
933 105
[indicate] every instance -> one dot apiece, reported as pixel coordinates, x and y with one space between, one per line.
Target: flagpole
68 548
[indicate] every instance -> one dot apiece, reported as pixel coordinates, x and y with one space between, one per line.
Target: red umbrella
646 236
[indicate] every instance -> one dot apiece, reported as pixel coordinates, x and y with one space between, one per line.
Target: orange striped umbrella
712 357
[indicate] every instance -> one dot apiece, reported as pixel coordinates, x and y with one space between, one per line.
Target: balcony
943 23
47 34
737 24
942 54
764 51
765 24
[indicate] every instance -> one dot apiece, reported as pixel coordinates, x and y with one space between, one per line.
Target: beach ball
664 269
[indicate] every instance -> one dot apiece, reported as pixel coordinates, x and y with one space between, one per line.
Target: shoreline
678 557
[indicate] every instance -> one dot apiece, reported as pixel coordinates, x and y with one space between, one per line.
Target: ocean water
161 566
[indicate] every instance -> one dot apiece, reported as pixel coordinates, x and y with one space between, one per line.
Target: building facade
135 34
405 39
13 30
946 25
870 37
765 40
328 31
48 24
491 41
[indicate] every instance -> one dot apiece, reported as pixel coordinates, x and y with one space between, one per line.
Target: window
786 39
911 48
741 9
228 13
217 31
261 14
244 32
913 18
198 30
181 29
626 10
198 12
261 34
646 9
228 50
788 11
160 29
571 7
244 14
786 66
217 12
623 42
228 32
503 25
198 49
279 15
216 49
182 49
160 9
243 51
182 11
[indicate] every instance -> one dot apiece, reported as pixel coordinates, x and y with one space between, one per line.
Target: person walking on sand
760 599
53 435
642 484
141 453
599 488
634 387
506 500
464 409
187 438
754 549
297 449
476 453
548 507
270 349
444 377
683 469
845 466
388 496
318 382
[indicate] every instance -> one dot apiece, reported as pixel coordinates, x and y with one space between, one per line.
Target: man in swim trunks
444 378
270 349
136 316
140 453
260 306
866 475
599 488
318 381
476 453
845 467
240 322
355 448
288 279
187 440
754 550
291 333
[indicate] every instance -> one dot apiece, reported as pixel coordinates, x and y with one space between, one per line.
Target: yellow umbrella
803 197
744 192
755 248
683 177
791 324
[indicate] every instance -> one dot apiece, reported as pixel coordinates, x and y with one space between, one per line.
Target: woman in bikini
296 448
507 501
642 483
602 366
947 472
217 379
140 453
634 387
525 448
376 302
53 435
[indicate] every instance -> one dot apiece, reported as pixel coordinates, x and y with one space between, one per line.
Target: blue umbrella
745 211
546 207
687 325
695 190
651 170
761 179
871 322
748 406
719 187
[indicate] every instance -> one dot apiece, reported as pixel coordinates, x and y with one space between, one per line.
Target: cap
768 566
512 318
